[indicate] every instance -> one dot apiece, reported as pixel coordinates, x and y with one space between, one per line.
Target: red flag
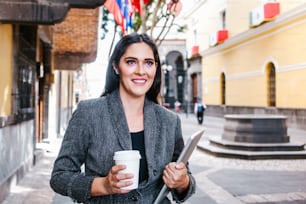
113 7
136 4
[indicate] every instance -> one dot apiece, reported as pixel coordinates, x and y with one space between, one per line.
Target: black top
138 144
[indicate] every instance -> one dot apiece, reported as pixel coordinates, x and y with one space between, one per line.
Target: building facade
252 57
36 75
173 59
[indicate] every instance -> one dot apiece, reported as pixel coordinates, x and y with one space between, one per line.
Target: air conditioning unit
218 37
266 12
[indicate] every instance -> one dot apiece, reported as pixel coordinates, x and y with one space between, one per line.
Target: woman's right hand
112 183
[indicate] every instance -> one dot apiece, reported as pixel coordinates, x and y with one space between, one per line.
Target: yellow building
6 59
252 57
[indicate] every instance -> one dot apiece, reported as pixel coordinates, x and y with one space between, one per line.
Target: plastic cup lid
127 154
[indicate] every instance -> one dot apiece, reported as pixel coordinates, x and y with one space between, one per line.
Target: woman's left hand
175 176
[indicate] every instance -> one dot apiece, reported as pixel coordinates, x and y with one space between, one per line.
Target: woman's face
137 69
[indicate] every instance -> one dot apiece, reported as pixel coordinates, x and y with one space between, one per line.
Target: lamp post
166 88
186 85
186 96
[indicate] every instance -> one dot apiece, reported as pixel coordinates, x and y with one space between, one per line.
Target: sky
96 70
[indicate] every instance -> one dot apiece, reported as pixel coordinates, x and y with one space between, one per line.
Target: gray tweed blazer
96 130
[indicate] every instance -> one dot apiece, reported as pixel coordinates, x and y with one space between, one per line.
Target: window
223 89
195 35
271 85
26 70
223 20
25 84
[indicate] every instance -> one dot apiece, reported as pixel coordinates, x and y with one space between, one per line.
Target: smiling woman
137 69
145 51
126 117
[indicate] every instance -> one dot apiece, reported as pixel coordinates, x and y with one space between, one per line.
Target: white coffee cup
130 158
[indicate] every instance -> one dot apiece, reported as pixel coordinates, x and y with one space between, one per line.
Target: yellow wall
286 5
237 16
237 22
203 19
245 64
6 58
291 88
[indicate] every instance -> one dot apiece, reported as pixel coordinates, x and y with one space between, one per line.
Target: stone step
288 146
251 155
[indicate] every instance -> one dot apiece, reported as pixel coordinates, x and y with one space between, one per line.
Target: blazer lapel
150 132
121 130
118 120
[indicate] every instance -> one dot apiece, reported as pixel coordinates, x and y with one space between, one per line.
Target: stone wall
16 154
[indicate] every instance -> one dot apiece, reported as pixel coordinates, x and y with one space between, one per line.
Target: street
219 180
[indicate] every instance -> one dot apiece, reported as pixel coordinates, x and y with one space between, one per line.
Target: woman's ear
116 70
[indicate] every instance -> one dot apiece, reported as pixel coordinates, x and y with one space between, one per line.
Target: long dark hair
112 79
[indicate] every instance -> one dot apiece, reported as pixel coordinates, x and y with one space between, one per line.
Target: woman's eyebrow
131 58
135 58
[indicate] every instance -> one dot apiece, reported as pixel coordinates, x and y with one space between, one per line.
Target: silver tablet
184 156
190 146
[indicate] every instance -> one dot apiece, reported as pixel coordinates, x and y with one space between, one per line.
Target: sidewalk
219 180
235 181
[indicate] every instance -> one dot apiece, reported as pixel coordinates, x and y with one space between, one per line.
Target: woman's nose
141 68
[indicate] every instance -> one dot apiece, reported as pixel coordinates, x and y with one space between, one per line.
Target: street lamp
166 88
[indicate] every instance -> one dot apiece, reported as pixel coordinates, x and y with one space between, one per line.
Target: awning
44 12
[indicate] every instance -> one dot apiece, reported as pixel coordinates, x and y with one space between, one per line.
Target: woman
127 116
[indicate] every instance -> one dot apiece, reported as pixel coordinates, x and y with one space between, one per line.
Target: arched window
271 84
223 88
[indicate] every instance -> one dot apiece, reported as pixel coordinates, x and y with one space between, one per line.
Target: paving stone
244 182
219 180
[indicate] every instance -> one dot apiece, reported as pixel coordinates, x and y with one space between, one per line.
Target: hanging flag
123 11
126 12
114 7
137 6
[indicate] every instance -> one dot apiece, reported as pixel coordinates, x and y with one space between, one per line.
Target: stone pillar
255 128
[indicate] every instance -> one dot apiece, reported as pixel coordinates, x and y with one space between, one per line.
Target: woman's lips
139 81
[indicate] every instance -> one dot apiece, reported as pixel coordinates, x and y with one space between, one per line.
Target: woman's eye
131 62
149 63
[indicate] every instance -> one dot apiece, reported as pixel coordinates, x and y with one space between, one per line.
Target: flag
137 6
123 11
127 12
113 7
